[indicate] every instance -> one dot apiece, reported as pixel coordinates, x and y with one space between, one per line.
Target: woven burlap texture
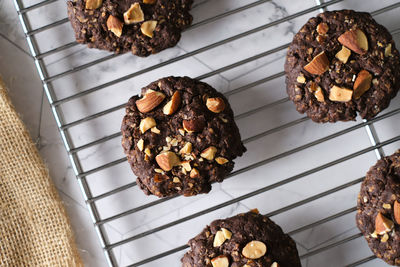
34 228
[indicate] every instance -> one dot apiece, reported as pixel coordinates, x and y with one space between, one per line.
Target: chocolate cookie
342 63
142 26
245 240
378 209
180 137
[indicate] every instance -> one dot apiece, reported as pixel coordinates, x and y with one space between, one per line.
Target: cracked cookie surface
378 209
143 27
248 239
179 137
342 63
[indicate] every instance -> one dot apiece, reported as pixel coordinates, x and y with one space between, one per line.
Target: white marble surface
17 68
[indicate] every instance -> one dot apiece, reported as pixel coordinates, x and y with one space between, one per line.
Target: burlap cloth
34 228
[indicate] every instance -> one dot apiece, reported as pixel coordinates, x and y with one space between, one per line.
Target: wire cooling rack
300 173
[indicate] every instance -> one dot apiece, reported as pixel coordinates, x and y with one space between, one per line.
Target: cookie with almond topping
378 209
340 64
245 240
179 137
143 27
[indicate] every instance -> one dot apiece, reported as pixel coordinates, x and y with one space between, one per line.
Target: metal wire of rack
66 127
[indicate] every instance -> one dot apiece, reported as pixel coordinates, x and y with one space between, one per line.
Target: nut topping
362 83
221 236
396 211
167 160
319 95
383 224
148 27
322 28
186 149
385 238
339 94
186 165
146 123
150 101
301 78
255 211
318 65
173 104
215 104
388 50
191 126
155 130
343 55
140 144
134 14
275 264
150 2
220 261
254 250
209 153
355 40
93 4
194 173
115 25
221 160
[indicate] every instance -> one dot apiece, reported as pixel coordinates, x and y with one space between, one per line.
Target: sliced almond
115 25
194 173
134 14
220 261
192 126
149 101
275 264
396 211
221 160
150 2
339 94
254 250
148 28
140 144
209 153
167 160
318 65
383 224
172 106
93 4
362 83
215 104
146 124
322 28
343 55
186 149
355 40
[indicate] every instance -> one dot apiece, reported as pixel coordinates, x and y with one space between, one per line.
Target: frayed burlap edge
34 227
